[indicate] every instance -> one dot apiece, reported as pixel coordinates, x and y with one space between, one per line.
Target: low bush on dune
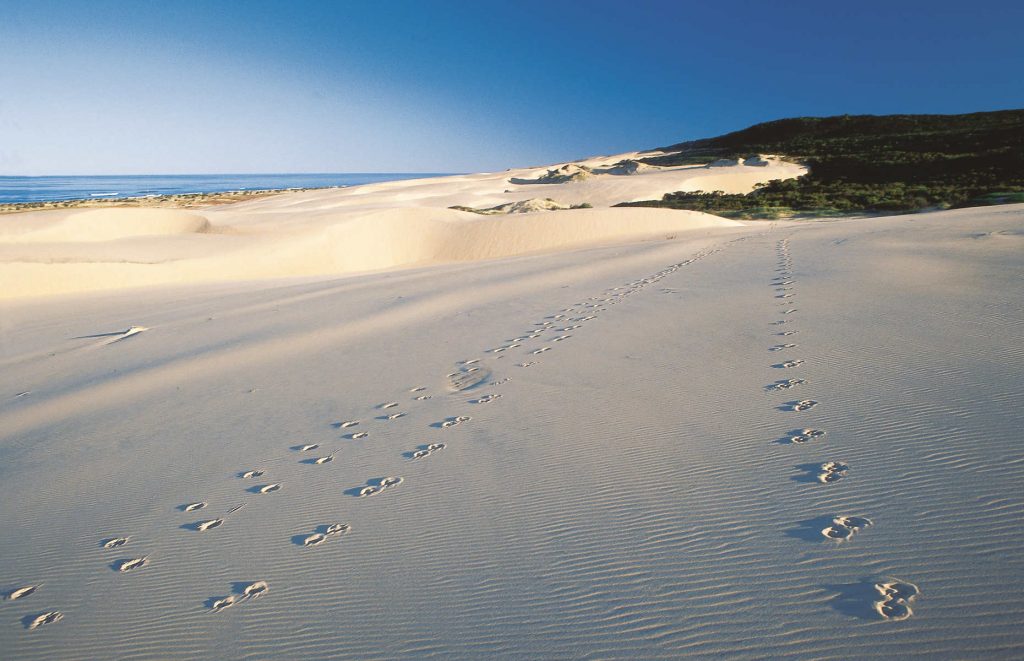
865 164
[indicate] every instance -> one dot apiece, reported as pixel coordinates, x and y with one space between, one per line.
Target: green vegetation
866 164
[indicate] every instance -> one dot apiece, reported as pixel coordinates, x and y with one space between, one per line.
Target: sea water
56 188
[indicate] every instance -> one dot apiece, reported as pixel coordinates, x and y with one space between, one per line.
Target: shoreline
172 201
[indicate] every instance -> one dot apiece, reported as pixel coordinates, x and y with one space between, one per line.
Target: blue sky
432 86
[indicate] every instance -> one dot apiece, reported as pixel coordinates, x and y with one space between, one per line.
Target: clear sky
97 87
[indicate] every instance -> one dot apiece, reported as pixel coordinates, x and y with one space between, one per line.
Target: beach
359 423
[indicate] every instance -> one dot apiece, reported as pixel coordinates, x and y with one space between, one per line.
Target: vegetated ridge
865 164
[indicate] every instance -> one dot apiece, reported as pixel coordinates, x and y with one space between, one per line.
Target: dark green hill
867 164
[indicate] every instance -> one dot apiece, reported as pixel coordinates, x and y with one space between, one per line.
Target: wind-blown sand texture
335 231
606 450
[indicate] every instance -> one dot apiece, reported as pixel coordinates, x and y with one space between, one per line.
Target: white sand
628 495
330 232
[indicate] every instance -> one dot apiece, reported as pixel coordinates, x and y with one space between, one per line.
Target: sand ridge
363 228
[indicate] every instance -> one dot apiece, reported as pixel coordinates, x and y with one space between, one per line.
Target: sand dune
601 433
374 227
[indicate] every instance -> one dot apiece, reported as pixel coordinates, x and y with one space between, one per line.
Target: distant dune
337 231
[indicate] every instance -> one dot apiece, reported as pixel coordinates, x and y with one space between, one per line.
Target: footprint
323 460
561 337
844 527
306 448
248 475
526 364
192 507
348 423
789 332
337 529
388 405
45 618
802 405
457 420
395 416
314 540
218 605
485 399
784 296
788 364
358 435
472 361
254 590
115 542
131 564
203 526
383 484
785 384
421 398
22 592
804 435
894 599
789 311
541 350
427 450
832 471
417 389
269 488
780 347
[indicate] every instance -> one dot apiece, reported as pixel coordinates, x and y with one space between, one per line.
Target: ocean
53 189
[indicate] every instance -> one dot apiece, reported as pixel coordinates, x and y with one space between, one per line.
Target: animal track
192 507
786 384
789 364
324 533
45 618
337 529
457 420
894 599
832 471
428 450
115 542
802 405
22 592
254 590
805 435
380 487
314 540
226 602
844 527
132 564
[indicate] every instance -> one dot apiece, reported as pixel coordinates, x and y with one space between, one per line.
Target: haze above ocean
59 188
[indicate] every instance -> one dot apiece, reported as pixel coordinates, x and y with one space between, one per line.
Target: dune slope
615 458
